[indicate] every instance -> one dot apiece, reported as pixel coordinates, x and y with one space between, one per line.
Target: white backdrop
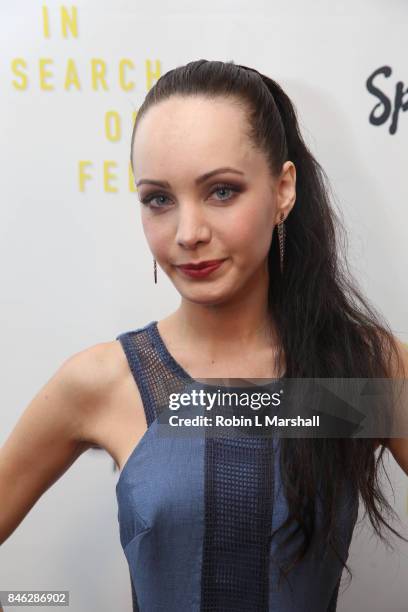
75 267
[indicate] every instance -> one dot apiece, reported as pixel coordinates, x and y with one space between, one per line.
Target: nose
192 227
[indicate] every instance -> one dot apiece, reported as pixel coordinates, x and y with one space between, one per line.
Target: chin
205 296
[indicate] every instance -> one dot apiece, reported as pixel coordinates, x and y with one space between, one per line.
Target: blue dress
196 512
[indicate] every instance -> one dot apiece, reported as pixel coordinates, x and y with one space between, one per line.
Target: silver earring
281 236
155 270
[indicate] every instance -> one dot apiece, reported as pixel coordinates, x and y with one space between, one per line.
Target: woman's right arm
48 437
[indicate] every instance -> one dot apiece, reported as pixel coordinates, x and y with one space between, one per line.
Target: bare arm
47 438
399 446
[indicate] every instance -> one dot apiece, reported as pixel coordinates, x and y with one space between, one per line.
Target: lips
201 264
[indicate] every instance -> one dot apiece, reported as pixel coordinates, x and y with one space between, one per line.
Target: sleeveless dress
196 512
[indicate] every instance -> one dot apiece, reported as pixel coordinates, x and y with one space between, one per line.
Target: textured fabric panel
238 508
150 371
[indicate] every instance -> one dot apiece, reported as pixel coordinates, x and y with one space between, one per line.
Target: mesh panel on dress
238 507
155 379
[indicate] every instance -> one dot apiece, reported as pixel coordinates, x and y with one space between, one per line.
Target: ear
285 190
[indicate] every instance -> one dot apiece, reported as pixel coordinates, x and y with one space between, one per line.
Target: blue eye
147 201
225 188
152 197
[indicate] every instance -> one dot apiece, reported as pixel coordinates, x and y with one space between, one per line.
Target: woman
206 523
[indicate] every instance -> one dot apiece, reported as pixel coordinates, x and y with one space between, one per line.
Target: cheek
155 233
250 233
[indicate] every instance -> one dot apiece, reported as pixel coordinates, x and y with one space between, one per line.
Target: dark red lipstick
200 269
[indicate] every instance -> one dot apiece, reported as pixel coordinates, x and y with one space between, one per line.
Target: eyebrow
197 181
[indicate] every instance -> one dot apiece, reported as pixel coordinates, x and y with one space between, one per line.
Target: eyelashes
147 201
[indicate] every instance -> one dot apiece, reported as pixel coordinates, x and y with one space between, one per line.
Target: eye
148 200
226 187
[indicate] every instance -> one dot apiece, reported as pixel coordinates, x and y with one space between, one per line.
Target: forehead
181 130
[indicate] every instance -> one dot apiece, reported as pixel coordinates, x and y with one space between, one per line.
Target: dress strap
152 369
132 342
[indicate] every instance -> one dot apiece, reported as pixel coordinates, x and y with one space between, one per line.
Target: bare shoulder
94 369
111 412
93 376
399 370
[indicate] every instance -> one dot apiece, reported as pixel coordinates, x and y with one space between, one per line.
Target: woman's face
230 215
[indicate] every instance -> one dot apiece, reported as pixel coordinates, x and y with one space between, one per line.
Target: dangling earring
155 270
281 236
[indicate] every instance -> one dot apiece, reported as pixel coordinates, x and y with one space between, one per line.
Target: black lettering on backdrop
385 105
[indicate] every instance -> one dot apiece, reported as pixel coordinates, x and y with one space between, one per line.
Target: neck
243 323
